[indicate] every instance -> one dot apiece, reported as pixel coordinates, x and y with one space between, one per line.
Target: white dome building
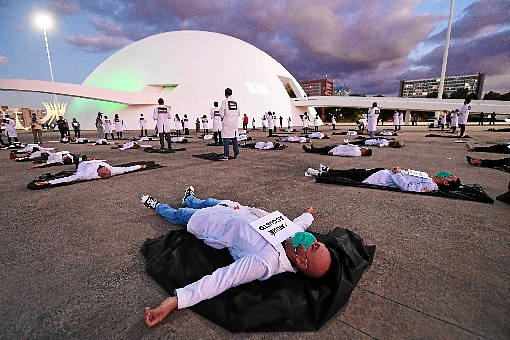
190 71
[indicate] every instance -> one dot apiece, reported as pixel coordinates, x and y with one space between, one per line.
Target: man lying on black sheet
347 150
93 169
497 148
261 244
490 163
405 180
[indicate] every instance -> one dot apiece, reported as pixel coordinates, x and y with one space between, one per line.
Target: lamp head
44 20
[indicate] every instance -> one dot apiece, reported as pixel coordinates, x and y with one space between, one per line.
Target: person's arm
305 220
117 170
30 167
246 269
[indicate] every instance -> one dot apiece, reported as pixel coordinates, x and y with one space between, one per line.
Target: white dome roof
190 70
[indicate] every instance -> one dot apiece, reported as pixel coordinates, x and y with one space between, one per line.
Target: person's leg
498 148
462 129
39 135
179 216
215 137
219 136
197 203
236 147
226 146
9 140
495 162
358 175
168 139
312 149
161 140
372 134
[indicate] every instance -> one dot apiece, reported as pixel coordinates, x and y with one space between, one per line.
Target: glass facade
423 87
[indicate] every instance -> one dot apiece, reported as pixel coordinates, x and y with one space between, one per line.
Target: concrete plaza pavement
71 266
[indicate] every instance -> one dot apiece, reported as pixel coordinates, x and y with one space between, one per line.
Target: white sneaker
190 191
311 172
149 202
470 146
323 168
346 141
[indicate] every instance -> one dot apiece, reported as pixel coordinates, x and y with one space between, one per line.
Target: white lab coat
216 119
464 113
162 116
229 112
373 115
10 130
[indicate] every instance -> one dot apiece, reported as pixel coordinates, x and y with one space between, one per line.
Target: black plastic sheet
284 302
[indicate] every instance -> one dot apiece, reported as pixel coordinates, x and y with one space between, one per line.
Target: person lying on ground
318 135
102 141
227 224
347 150
267 145
29 148
131 145
293 139
382 142
80 140
496 148
490 163
93 169
405 180
60 158
178 139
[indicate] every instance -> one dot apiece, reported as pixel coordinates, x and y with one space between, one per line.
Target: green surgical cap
442 174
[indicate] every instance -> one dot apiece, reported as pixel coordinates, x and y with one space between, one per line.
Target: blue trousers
181 216
226 146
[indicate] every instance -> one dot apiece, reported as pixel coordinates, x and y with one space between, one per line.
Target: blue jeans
182 215
372 134
226 146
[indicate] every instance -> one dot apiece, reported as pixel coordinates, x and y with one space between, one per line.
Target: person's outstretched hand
309 210
155 316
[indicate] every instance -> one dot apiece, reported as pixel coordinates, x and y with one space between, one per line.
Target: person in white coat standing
373 115
229 112
162 116
10 129
396 120
216 123
143 125
463 116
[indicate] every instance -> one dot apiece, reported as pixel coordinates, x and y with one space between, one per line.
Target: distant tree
492 96
460 94
432 94
506 97
472 96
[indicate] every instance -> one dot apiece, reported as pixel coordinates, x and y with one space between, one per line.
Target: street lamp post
44 21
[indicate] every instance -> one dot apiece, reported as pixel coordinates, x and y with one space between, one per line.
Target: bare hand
396 170
143 166
155 316
309 210
41 183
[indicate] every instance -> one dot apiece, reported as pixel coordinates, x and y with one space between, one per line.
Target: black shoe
469 159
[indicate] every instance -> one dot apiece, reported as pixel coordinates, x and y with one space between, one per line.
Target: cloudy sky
368 45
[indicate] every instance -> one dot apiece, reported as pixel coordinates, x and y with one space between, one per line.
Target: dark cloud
364 44
477 19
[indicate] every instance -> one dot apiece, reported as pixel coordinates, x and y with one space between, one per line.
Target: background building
424 87
318 87
341 91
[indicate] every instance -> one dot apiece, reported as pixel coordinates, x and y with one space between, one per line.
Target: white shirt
318 135
215 116
403 180
264 145
230 113
143 122
57 157
373 115
348 150
333 120
464 113
118 124
379 142
455 119
305 121
205 123
88 170
297 139
316 121
396 118
162 115
255 258
10 129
